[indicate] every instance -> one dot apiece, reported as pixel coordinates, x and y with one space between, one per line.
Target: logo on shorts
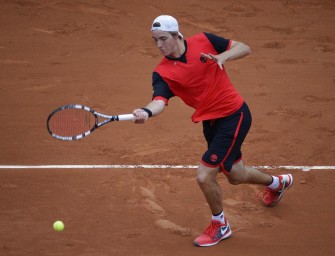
214 158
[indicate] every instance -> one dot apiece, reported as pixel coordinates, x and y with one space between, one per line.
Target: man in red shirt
193 69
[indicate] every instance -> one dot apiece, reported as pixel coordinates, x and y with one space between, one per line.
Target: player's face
166 43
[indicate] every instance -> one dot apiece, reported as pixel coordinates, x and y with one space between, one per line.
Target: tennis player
193 69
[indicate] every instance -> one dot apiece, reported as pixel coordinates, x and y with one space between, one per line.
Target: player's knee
234 180
237 175
232 177
205 177
202 178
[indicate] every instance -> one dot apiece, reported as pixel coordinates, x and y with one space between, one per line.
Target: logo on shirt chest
203 59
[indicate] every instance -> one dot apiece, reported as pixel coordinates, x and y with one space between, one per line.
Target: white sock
275 183
219 217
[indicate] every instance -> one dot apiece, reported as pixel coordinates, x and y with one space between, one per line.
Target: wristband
148 111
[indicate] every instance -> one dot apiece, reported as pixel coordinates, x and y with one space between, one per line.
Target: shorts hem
209 165
223 170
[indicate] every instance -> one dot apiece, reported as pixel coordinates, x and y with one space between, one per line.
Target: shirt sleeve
220 44
161 89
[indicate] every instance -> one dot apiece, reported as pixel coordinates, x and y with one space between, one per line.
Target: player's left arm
236 51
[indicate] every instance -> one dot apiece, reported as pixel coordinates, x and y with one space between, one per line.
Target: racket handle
126 117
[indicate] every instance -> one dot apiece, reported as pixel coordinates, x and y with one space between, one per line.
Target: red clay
100 53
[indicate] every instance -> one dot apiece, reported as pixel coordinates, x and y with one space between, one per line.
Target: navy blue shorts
224 138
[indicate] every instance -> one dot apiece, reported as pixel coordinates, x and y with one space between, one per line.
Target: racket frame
108 119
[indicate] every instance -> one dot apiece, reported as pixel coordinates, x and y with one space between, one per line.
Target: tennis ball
58 225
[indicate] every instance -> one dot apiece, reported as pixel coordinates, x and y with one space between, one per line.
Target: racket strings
71 122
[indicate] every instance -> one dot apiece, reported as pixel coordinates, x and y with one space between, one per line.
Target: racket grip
126 117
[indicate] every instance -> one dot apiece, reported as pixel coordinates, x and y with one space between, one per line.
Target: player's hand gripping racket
74 122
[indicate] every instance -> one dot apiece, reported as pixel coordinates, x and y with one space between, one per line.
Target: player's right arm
160 98
154 108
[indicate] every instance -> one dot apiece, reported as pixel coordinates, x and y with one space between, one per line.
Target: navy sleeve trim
160 87
220 44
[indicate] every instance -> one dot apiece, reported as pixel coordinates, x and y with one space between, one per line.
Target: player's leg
220 135
206 178
240 174
275 185
219 228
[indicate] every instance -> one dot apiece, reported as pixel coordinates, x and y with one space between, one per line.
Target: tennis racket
74 122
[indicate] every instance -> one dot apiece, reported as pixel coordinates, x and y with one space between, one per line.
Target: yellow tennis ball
58 225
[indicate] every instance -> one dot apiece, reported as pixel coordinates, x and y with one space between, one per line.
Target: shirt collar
182 58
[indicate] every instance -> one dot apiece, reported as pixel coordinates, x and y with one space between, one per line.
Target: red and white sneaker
213 234
271 197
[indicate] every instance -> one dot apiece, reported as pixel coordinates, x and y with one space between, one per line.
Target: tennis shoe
213 234
272 197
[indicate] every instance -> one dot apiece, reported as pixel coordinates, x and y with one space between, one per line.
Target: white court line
148 166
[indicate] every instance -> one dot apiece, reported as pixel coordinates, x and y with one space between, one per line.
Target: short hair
176 34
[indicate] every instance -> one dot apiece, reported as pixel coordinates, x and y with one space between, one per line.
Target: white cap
166 23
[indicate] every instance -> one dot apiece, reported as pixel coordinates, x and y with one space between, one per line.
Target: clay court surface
100 54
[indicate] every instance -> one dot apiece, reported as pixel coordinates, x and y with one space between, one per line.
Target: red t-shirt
200 83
